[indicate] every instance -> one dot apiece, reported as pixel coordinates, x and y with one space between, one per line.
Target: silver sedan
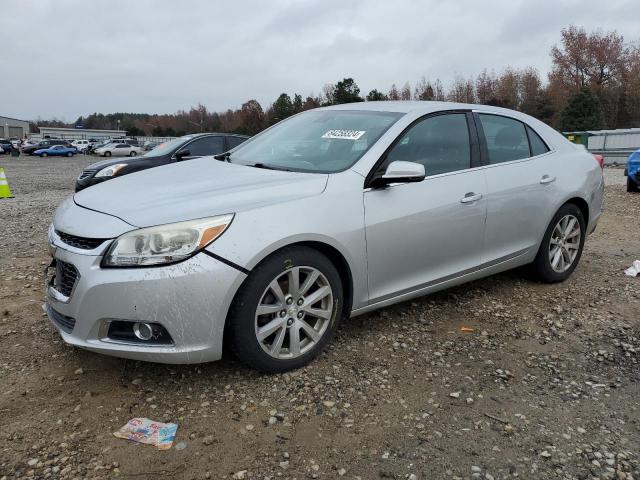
329 214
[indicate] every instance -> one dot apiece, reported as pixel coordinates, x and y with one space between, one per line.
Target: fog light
143 331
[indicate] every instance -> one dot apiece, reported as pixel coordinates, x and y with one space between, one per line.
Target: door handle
547 179
471 197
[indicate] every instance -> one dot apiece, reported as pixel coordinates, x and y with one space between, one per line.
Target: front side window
324 141
233 142
440 143
205 146
506 138
122 145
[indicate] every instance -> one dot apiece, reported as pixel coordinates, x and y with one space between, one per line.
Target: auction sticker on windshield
344 134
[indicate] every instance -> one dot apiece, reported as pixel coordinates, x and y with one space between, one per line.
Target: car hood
111 161
195 189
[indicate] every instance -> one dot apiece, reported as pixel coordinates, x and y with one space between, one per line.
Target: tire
286 318
132 154
631 185
69 154
570 249
107 154
44 154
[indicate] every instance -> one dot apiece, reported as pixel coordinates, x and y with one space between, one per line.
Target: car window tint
506 138
538 147
440 143
122 145
205 146
233 142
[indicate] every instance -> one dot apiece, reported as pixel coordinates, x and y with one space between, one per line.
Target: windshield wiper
270 167
224 157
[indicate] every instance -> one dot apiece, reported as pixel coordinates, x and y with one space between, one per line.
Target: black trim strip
227 262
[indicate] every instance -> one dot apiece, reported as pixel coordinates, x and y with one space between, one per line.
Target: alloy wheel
294 312
564 243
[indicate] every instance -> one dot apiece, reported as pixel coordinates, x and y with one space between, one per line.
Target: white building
79 133
614 145
13 128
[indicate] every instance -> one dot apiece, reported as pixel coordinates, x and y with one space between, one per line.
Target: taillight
599 159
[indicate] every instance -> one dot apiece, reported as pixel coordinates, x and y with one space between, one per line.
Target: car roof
417 106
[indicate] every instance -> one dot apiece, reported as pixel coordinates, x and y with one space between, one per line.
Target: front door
422 233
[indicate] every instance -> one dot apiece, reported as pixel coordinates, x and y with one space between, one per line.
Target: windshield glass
324 141
167 147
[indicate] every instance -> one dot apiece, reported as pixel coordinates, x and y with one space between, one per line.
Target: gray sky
65 58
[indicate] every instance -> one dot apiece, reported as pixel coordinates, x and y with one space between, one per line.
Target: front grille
66 276
87 173
63 322
80 242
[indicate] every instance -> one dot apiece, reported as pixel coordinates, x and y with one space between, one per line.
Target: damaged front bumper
187 301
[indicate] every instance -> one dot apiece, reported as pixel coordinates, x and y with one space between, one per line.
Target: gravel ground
545 386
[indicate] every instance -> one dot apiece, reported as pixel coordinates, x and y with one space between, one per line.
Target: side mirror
182 153
400 172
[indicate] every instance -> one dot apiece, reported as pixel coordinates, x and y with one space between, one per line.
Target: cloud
70 57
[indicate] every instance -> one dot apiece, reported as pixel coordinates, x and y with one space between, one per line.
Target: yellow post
5 191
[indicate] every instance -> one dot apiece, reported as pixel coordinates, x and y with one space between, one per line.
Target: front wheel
69 154
44 155
631 185
561 246
107 154
286 311
132 154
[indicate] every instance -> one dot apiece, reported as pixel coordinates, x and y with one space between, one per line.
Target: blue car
56 150
633 171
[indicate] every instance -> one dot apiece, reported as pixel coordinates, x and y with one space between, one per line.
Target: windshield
324 141
168 147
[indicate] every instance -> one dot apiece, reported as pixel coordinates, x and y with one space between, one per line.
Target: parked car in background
632 172
331 213
6 145
15 142
56 151
44 144
81 145
182 148
118 150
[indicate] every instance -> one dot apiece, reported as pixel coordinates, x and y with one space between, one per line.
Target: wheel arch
330 251
582 204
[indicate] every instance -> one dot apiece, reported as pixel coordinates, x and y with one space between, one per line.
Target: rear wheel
631 185
561 246
132 154
287 310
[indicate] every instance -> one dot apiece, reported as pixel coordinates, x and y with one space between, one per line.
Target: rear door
419 234
520 186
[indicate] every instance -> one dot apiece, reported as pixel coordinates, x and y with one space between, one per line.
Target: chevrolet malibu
329 214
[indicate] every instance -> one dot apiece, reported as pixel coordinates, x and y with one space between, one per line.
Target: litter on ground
634 269
150 432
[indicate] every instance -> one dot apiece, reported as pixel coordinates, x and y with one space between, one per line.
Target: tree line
594 84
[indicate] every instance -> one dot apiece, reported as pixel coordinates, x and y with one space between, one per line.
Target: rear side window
538 147
506 138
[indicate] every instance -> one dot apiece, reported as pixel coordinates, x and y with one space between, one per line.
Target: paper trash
634 269
143 430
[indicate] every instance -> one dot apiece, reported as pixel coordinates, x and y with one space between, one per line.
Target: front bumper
189 299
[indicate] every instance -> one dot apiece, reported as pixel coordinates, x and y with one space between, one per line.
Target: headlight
111 171
165 244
